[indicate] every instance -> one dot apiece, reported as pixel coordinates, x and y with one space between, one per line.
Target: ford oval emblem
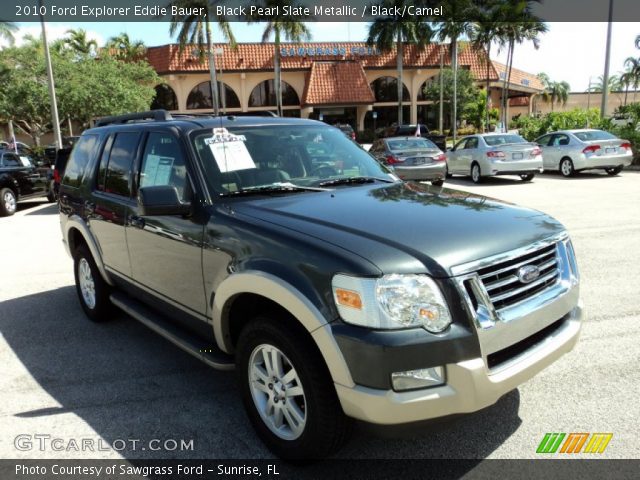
528 273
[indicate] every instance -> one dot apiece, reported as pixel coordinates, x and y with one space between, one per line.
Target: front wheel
566 168
476 176
614 171
288 393
527 177
437 183
8 202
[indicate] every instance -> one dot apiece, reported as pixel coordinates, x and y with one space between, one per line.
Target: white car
492 154
570 151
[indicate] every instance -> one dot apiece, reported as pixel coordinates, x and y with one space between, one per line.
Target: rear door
166 251
106 210
470 153
543 143
454 157
559 147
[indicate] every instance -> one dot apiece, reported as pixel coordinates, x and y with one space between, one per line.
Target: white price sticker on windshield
229 150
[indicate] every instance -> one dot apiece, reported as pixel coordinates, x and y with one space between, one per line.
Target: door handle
136 221
89 207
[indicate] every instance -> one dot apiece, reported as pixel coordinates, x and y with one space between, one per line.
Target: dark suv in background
280 248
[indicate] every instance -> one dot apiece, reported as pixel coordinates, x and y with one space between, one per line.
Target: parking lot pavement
61 375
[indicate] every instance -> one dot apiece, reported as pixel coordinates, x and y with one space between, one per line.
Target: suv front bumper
470 386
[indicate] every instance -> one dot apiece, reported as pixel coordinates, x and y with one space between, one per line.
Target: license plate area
610 150
517 156
420 160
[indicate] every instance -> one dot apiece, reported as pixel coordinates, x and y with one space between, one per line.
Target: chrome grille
503 284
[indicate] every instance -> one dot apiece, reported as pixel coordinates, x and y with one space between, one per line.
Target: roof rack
155 115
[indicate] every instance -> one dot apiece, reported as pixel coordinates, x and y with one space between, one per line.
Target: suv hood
407 227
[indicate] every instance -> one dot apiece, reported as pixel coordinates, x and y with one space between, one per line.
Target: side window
163 163
472 142
544 140
118 170
11 160
460 145
83 151
559 140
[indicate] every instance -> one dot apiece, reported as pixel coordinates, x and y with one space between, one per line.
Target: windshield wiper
274 188
353 181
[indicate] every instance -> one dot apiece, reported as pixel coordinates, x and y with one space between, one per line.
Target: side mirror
161 200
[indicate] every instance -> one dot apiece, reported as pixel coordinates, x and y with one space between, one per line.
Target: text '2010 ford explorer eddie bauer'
280 248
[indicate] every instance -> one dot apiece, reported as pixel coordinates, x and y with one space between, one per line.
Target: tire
437 183
476 174
566 168
447 174
51 196
527 177
93 291
614 171
322 427
8 202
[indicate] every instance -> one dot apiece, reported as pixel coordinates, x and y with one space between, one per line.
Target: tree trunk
441 117
399 56
488 106
278 81
212 70
626 92
454 110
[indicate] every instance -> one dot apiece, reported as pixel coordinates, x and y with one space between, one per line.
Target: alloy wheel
9 200
87 285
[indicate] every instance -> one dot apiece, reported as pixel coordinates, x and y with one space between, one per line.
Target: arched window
264 95
165 98
200 96
386 90
426 84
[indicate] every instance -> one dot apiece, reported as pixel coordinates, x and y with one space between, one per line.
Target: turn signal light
591 149
536 151
348 298
441 158
392 160
626 145
495 154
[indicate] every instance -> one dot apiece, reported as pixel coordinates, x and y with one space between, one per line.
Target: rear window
78 160
594 135
495 140
410 144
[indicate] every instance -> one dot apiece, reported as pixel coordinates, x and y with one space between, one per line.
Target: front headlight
391 302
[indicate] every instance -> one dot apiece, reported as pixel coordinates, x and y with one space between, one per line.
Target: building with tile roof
346 82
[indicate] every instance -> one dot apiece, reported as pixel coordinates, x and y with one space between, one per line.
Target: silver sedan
570 151
411 158
491 154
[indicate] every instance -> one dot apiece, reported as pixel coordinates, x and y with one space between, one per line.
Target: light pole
607 55
52 87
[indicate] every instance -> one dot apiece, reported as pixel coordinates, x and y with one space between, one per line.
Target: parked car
490 154
347 130
62 156
420 130
571 151
19 180
411 158
278 247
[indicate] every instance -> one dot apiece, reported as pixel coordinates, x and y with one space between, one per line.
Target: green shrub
365 136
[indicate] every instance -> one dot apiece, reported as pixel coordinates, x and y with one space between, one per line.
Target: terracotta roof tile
259 57
336 83
519 77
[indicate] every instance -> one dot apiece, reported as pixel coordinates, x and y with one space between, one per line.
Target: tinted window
82 152
163 163
472 142
559 140
544 140
410 144
594 135
495 140
460 145
11 160
118 171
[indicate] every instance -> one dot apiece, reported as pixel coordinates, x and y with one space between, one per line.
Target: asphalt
63 376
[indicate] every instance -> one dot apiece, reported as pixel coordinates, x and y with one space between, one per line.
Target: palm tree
126 50
460 22
612 84
486 31
626 80
521 26
384 32
79 43
288 26
7 29
195 30
633 67
554 91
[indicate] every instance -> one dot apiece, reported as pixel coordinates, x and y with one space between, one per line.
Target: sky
570 52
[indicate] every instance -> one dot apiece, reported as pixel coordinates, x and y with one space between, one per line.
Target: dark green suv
280 248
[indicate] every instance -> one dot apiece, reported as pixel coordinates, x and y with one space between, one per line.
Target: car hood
406 227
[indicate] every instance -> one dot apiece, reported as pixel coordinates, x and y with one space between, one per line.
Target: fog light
413 379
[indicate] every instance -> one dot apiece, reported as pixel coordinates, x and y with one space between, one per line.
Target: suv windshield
398 145
245 158
495 140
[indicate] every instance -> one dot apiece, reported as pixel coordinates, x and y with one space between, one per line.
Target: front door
166 251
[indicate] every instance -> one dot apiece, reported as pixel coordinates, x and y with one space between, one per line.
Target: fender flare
76 222
289 298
